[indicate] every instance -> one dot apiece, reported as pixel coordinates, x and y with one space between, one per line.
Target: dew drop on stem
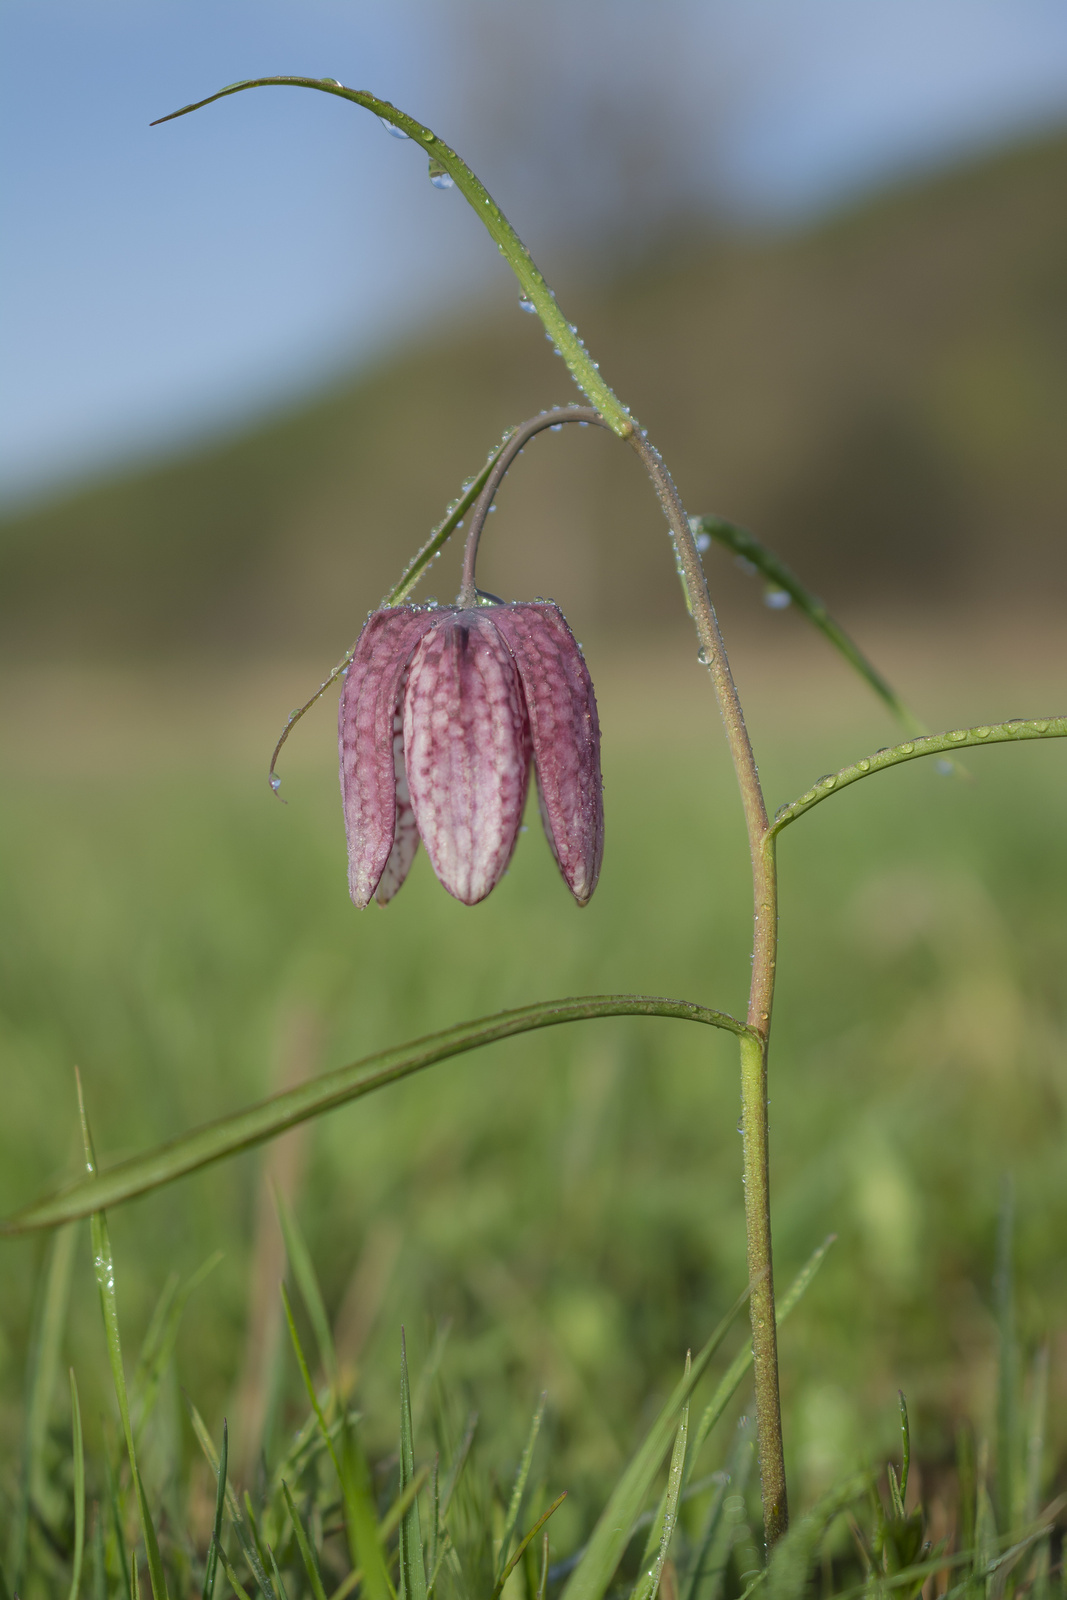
777 599
439 177
526 304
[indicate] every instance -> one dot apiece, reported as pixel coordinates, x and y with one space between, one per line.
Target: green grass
567 1205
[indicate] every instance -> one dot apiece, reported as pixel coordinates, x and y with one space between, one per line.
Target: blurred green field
569 1203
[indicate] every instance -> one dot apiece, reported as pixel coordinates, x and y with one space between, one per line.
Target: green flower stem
266 1120
586 374
761 1301
754 1046
943 744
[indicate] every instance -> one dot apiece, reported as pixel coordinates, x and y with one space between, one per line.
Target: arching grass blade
270 1117
945 744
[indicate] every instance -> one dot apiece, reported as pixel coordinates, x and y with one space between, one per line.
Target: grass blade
116 1518
412 1569
270 1117
945 744
42 1369
662 1530
307 1554
160 1340
745 545
231 1577
716 1540
527 1539
280 1112
1007 1429
79 1488
353 1476
237 1517
104 1266
518 1490
307 1281
735 1372
594 1572
212 1562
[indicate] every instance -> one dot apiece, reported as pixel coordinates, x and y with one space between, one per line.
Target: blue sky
158 283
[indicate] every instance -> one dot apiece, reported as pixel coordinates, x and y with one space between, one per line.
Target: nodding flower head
443 711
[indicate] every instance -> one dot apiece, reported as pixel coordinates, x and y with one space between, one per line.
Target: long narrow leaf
945 744
304 1272
237 1517
527 1539
594 1572
716 1540
745 545
42 1369
79 1488
212 1562
270 1117
307 1554
160 1340
518 1490
412 1569
353 1476
647 1585
104 1265
563 334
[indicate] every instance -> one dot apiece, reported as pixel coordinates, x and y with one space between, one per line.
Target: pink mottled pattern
565 732
366 739
406 832
466 750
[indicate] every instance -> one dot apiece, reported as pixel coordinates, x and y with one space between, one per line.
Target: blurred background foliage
880 392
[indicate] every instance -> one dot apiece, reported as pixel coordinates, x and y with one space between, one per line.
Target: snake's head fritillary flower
443 712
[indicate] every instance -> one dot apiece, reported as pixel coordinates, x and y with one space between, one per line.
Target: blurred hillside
882 399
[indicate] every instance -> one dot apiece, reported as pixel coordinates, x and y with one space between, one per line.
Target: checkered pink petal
377 825
565 732
466 750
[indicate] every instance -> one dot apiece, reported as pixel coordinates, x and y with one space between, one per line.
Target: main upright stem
760 999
